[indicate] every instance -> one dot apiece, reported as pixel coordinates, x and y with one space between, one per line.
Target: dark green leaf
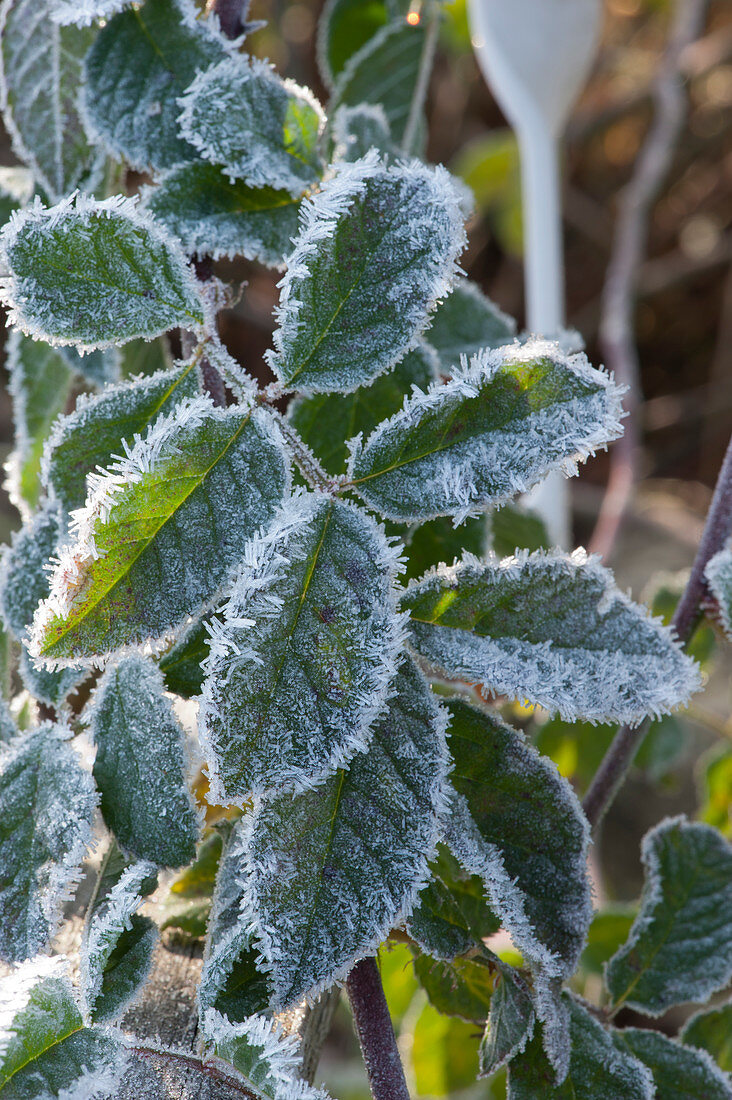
356 130
452 914
609 929
515 528
711 1031
679 1072
181 665
343 28
462 987
438 541
510 1023
465 323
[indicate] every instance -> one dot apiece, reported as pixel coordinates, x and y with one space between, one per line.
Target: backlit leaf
498 427
344 26
462 987
377 248
188 905
332 870
553 629
95 274
680 946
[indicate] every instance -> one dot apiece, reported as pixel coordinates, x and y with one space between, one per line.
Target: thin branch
231 15
619 757
375 1032
310 468
426 62
631 237
213 1069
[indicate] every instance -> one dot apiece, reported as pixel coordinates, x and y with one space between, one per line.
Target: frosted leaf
52 688
144 357
309 643
460 987
358 129
45 1052
437 541
718 575
344 26
499 426
466 323
231 982
711 1030
41 68
138 567
679 1072
8 729
333 870
117 944
325 421
383 71
140 64
551 628
680 946
377 248
181 665
96 367
518 824
510 1023
451 914
268 1060
215 217
597 1069
259 128
140 767
39 386
83 12
46 806
95 274
95 432
514 527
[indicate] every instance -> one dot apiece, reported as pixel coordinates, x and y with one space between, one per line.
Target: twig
631 236
423 77
189 1061
231 15
376 1033
619 757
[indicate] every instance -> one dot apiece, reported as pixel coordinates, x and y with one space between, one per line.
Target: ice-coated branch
375 1032
310 468
629 247
619 757
423 77
189 1061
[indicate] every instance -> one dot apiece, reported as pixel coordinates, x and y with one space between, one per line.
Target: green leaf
47 802
384 71
451 915
39 385
46 1051
231 981
462 987
356 130
95 432
326 421
529 837
343 28
718 575
490 167
182 665
257 127
679 1072
466 323
711 1030
140 64
609 929
188 905
552 629
597 1069
302 662
680 946
144 357
41 71
444 1053
95 274
513 528
438 541
97 368
510 1023
498 427
716 788
332 870
117 944
198 467
215 217
140 767
376 250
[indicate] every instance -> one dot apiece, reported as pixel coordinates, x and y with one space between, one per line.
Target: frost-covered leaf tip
495 429
94 274
553 629
376 250
718 574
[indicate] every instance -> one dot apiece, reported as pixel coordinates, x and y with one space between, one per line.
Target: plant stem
375 1032
619 757
189 1061
230 15
423 77
310 468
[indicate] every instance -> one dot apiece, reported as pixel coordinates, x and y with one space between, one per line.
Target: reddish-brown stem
189 1061
619 757
375 1032
230 14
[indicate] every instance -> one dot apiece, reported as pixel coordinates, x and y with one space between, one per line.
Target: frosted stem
376 1033
310 468
619 757
189 1061
423 79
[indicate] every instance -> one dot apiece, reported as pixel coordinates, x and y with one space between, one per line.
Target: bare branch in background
631 236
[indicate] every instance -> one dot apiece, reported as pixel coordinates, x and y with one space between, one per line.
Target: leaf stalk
375 1032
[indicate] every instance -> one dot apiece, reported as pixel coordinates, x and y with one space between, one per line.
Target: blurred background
684 336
